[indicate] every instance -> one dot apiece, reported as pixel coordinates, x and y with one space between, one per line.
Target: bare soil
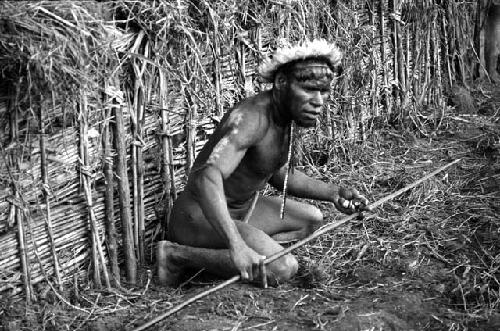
428 260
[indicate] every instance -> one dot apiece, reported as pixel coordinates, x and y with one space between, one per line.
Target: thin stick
168 174
45 193
399 57
97 252
83 170
258 36
24 256
108 199
276 256
124 194
190 129
146 87
137 167
381 12
133 160
17 211
140 185
217 67
446 49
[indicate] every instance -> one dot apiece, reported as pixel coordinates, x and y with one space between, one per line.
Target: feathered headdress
319 48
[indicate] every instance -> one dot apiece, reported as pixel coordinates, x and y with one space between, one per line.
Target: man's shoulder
260 101
251 115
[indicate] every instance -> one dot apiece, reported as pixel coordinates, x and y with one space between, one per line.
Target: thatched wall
168 70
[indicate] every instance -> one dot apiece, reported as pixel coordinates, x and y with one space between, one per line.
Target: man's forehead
312 71
316 84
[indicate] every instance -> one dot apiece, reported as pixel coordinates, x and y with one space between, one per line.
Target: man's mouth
311 115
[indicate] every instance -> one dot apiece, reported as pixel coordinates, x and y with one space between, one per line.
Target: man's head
301 78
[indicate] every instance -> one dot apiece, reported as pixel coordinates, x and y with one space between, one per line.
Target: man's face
308 90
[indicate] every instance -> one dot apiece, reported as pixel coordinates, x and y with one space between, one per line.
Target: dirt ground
427 260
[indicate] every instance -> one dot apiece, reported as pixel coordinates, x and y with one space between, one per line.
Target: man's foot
168 271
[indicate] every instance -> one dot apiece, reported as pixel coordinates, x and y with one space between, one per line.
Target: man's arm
209 184
346 200
302 186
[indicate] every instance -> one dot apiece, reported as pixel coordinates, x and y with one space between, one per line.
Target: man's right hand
246 260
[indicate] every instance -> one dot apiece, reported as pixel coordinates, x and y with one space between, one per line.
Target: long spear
279 254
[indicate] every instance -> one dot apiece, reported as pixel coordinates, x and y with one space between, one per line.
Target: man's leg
301 219
202 247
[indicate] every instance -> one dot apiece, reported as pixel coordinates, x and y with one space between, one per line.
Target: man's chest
270 154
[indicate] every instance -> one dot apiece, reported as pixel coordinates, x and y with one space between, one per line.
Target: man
492 40
249 149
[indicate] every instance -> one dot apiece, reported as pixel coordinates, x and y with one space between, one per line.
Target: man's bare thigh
266 215
188 226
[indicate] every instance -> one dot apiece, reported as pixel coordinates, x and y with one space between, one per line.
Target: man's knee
315 220
316 215
284 268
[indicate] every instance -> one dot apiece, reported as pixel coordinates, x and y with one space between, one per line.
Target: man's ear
280 81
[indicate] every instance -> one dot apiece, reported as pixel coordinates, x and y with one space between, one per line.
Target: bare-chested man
247 151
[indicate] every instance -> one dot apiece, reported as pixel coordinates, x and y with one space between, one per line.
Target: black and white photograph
250 165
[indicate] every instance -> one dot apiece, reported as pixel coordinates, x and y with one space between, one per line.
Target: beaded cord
289 166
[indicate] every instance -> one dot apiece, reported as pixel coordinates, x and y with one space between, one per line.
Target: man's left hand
348 201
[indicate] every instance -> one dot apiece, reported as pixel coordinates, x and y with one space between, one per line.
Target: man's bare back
247 151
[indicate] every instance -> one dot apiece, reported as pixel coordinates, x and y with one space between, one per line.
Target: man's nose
317 99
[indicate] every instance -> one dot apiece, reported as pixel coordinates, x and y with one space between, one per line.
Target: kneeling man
219 222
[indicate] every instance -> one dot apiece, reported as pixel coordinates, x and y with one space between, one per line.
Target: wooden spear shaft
276 256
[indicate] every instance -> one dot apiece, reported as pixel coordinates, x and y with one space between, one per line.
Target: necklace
288 167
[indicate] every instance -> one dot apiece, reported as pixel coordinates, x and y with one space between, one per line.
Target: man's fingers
359 202
344 203
244 275
351 201
350 206
343 206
